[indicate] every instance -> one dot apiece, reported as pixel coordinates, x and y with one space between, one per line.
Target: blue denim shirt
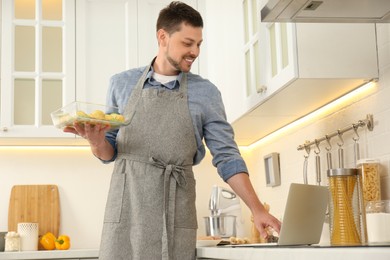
207 112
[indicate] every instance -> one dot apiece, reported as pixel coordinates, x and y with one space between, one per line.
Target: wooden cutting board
37 204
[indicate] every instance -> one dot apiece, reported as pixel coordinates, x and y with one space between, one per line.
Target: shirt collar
170 85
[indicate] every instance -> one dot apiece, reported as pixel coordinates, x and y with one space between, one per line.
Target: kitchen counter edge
294 253
51 254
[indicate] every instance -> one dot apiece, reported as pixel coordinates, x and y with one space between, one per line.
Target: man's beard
174 63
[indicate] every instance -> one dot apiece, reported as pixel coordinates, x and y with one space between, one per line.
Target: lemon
108 117
117 117
98 114
82 113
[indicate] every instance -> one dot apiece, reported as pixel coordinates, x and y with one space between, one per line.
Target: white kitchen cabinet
303 67
99 38
271 74
37 65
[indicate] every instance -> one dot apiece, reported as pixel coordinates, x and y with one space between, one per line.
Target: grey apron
150 212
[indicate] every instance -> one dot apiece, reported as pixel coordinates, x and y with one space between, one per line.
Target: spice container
371 181
12 241
346 212
378 221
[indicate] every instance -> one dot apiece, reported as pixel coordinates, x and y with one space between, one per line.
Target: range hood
327 11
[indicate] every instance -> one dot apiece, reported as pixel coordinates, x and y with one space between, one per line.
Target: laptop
303 218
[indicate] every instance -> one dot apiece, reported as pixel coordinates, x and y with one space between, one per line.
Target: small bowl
221 226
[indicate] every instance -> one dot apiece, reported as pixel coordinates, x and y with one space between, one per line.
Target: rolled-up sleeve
219 138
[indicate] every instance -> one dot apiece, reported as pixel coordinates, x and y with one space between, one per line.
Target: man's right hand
95 135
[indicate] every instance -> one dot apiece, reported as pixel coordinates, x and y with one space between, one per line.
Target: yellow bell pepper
48 241
62 242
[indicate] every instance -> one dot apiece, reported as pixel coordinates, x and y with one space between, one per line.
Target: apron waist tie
177 172
173 175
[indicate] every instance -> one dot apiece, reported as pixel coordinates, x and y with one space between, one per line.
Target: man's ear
162 37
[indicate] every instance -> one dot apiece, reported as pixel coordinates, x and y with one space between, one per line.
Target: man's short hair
171 17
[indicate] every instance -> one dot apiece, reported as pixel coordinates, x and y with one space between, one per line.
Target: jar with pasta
370 179
347 226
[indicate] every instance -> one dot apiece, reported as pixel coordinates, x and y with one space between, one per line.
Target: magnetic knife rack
368 122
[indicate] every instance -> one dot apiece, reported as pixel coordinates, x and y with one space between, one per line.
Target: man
150 212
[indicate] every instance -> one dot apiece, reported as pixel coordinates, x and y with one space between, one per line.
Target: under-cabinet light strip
44 147
317 113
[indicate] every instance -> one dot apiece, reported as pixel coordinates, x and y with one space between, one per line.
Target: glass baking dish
83 112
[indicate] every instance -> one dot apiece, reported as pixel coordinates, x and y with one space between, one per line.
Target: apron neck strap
140 84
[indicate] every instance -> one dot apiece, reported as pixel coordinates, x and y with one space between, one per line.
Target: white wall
82 181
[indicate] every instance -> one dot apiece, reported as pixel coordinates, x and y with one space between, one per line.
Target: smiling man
150 212
179 45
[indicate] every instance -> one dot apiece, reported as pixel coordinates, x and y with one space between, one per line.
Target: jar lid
367 160
342 172
378 206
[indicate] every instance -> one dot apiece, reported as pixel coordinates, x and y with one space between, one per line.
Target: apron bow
176 171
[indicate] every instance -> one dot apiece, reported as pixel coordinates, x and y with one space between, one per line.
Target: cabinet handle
261 89
4 129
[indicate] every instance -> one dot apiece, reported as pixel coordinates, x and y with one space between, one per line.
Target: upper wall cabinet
37 65
303 67
58 51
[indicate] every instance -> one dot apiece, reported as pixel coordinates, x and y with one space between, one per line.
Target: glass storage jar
378 221
346 212
371 181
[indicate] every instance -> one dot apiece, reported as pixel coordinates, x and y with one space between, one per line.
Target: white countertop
294 253
232 253
51 254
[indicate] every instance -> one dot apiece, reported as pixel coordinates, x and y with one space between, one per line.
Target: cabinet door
113 36
280 55
37 65
269 54
106 44
221 55
254 54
